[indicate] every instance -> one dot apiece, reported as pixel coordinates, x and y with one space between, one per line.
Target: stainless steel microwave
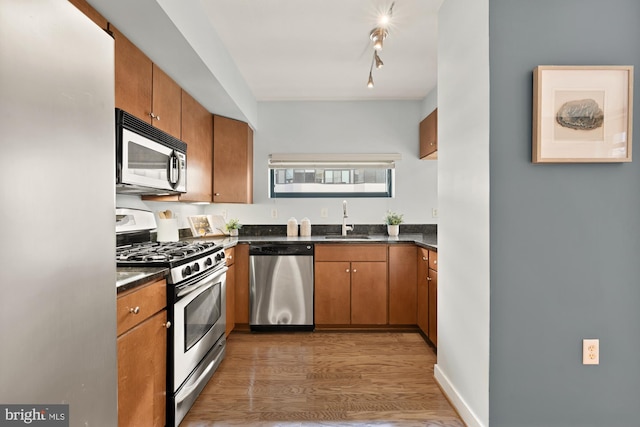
148 160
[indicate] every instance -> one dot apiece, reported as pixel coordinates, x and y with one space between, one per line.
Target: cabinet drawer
350 252
139 304
433 260
230 256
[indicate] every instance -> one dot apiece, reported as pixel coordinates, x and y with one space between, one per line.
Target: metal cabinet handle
347 270
429 278
134 310
216 194
355 271
424 258
435 262
153 116
230 257
167 325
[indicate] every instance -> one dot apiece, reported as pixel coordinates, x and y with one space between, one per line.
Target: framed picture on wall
582 114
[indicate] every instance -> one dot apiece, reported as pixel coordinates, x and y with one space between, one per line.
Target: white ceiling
320 50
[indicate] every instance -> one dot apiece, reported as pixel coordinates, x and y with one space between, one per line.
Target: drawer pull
435 262
429 278
424 258
355 271
134 310
347 270
167 325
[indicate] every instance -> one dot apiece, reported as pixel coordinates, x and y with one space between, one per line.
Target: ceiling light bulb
379 62
370 82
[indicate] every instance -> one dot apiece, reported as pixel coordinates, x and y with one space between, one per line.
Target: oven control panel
197 266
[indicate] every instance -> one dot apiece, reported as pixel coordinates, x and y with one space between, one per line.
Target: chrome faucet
345 227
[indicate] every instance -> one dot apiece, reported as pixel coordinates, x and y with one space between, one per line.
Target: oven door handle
200 283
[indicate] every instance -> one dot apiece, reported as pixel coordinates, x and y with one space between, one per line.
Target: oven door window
201 314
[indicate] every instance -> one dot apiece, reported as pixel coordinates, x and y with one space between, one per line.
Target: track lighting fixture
377 36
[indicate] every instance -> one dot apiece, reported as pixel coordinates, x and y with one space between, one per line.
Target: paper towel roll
167 230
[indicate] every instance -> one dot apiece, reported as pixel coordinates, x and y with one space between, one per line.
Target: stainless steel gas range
196 304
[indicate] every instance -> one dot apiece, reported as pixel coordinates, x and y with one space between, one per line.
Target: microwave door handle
174 169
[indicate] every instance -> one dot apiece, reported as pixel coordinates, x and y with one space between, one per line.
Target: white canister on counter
305 227
292 227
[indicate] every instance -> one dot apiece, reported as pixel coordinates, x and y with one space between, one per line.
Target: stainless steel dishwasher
281 286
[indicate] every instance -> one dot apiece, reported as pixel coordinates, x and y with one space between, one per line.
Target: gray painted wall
564 238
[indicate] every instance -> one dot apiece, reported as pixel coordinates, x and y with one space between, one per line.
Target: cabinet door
423 291
142 353
429 135
232 161
402 284
332 295
433 307
231 299
166 103
242 283
197 132
133 78
368 293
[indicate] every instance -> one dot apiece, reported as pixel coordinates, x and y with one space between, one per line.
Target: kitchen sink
348 236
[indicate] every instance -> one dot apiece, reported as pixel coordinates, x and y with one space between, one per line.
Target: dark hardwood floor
324 378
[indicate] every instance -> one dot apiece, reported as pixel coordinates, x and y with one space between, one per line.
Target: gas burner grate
161 251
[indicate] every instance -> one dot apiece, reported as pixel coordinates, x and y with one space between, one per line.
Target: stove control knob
208 262
219 256
186 271
195 268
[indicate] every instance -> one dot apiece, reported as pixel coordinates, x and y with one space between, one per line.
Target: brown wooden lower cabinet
142 355
332 293
368 293
422 311
242 284
231 290
402 284
433 306
350 284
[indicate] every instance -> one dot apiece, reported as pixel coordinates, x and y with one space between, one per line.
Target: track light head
378 35
379 62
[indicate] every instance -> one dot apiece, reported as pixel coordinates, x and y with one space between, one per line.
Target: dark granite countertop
131 277
428 241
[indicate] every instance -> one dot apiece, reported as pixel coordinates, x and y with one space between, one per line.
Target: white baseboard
467 415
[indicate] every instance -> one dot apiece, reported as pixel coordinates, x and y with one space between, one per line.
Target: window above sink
332 175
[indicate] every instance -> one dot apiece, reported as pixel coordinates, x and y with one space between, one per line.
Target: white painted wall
340 127
463 190
429 103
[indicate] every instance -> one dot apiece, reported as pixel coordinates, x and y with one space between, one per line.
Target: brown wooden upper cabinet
232 161
429 136
143 89
197 133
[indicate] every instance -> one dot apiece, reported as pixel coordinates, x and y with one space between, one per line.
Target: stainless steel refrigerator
57 210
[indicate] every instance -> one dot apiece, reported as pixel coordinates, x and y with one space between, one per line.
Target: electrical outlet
324 213
274 213
434 213
590 352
